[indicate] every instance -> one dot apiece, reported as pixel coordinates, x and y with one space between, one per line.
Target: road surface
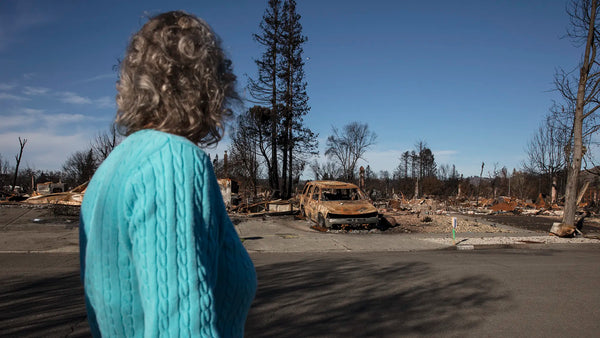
496 292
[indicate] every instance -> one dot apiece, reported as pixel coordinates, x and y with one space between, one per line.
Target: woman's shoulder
148 143
151 149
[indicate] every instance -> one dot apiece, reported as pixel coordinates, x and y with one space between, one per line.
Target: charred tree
245 148
280 85
104 143
584 97
404 164
4 172
418 163
421 162
264 89
80 167
349 145
326 171
18 159
295 137
546 153
479 184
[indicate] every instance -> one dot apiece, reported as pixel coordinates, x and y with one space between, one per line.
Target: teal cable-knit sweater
159 254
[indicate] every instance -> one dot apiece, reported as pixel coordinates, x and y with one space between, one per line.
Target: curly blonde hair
175 78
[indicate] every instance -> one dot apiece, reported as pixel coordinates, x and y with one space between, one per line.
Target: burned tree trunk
583 16
479 185
554 192
18 158
416 188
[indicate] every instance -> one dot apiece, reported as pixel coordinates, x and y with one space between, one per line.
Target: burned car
332 204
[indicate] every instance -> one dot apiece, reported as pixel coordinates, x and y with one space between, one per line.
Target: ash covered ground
492 223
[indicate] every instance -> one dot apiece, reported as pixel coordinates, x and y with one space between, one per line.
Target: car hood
348 207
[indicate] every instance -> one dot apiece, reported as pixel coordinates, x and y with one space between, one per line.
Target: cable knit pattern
159 254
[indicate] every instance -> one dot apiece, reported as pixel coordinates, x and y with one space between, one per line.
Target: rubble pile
262 207
71 197
516 206
428 215
422 215
481 206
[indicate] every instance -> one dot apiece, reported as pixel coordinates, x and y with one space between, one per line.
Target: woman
159 254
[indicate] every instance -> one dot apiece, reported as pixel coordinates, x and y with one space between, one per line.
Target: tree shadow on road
359 298
43 307
314 297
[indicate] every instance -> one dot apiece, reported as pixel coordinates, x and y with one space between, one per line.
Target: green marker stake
454 223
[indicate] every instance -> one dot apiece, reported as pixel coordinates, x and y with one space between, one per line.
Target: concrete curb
521 246
459 247
63 250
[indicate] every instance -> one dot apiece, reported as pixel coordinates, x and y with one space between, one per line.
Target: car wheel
321 221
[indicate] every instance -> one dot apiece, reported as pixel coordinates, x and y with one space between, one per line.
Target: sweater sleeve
175 237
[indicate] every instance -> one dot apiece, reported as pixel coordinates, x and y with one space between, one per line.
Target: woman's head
175 78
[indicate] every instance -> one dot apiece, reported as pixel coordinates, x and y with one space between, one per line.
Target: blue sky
473 79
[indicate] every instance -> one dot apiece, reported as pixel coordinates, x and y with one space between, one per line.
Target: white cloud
30 93
35 90
99 78
105 102
7 96
445 156
73 98
65 118
70 97
19 118
31 111
6 86
16 122
445 152
13 24
380 160
44 150
28 119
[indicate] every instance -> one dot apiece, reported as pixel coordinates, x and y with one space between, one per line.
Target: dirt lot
541 223
415 223
21 217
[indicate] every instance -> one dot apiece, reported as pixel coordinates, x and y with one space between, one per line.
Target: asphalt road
41 296
503 292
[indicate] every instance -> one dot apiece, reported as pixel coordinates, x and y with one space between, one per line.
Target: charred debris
243 203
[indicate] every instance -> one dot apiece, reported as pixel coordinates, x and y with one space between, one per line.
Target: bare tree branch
349 146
